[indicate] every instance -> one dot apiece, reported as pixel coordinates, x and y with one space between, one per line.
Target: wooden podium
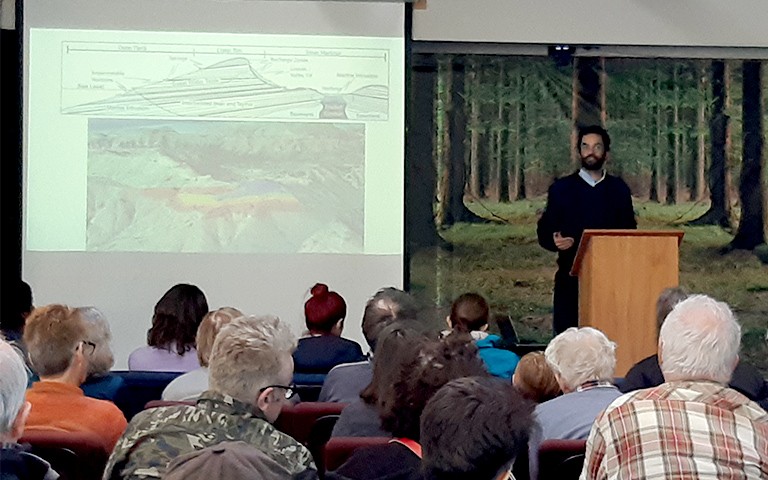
621 274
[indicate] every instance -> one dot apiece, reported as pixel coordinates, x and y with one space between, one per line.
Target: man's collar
584 174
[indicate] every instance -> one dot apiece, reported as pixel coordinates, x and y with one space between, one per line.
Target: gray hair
13 386
579 355
249 354
98 332
700 340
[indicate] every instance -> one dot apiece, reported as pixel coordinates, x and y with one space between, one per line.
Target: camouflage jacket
156 436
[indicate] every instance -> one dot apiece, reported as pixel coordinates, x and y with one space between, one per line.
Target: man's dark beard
593 166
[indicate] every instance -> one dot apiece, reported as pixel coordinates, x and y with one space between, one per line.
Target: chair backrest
318 436
561 459
74 455
339 449
297 420
167 403
139 388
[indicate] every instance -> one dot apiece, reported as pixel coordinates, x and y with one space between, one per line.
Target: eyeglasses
289 390
88 347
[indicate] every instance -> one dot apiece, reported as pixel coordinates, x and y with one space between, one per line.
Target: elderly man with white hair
14 461
693 425
250 371
584 361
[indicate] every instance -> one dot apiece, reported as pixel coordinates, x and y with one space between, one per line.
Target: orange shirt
61 406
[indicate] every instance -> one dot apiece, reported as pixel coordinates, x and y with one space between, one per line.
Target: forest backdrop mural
487 135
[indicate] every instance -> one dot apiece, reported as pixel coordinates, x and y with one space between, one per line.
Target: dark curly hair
177 315
420 376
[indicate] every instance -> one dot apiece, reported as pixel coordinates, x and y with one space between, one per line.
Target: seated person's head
13 386
251 362
394 342
474 428
324 312
667 300
98 333
177 315
699 340
21 298
387 306
421 373
580 355
212 323
469 313
57 341
534 378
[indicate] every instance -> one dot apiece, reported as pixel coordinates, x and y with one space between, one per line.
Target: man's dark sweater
573 205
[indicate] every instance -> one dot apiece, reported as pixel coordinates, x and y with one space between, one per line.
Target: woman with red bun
323 348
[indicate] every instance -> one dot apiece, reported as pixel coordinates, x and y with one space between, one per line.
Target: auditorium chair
561 459
139 388
167 403
339 449
74 455
297 420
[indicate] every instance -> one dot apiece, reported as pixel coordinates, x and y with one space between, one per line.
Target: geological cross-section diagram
235 82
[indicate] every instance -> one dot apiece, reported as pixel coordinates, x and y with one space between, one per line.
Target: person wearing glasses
588 198
55 336
250 370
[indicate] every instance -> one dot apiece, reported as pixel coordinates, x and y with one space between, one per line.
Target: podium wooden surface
621 274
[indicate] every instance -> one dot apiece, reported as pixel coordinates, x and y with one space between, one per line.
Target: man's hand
563 243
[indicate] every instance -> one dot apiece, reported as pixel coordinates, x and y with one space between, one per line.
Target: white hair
249 354
98 332
700 341
13 386
579 355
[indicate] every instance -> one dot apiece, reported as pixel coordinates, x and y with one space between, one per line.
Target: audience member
469 315
190 385
693 425
361 417
12 326
171 340
474 428
583 360
345 381
56 336
15 462
99 383
647 373
418 378
230 461
323 348
250 371
535 379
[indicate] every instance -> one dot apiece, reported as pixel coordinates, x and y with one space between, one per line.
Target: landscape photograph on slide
225 186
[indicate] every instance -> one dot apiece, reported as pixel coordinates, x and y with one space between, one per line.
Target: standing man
589 198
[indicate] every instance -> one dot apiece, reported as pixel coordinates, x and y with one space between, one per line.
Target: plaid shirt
679 430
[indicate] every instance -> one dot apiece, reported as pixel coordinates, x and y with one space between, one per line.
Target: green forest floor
503 261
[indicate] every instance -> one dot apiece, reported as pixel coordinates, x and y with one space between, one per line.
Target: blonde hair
52 334
212 323
535 379
248 354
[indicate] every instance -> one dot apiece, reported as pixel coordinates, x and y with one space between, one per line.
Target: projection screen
252 148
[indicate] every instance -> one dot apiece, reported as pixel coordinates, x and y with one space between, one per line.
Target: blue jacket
499 362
